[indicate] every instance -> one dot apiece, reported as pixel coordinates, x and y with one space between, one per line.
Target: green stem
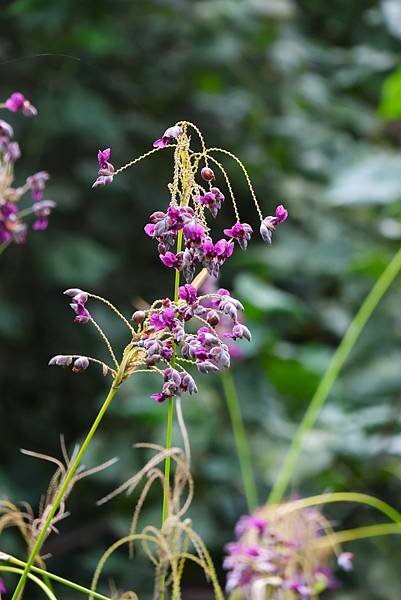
170 410
170 415
38 581
241 442
65 582
4 246
331 374
64 487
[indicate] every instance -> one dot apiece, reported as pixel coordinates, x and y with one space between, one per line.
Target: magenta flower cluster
199 249
12 224
278 553
162 342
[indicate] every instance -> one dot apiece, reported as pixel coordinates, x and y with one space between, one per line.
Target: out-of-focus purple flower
212 200
3 589
79 299
276 550
6 130
241 232
269 224
169 136
345 561
248 522
11 227
13 152
42 210
18 103
37 183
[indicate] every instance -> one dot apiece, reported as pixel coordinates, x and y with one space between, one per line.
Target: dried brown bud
213 318
207 174
139 316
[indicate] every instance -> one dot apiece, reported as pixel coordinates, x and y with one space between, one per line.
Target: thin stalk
329 378
61 580
359 533
170 410
64 487
241 442
4 246
329 498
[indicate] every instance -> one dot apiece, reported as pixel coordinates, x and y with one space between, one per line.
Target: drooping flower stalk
329 378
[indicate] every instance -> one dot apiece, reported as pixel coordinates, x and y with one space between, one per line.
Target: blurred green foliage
307 94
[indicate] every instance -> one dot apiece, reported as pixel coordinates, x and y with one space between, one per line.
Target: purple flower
102 180
37 183
171 260
241 232
169 136
3 589
60 360
79 299
103 157
106 169
18 103
212 199
194 231
162 320
188 293
269 224
42 210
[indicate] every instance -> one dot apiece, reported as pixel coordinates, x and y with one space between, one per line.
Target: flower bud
207 174
81 364
138 316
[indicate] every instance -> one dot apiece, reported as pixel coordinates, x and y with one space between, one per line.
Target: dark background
308 94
